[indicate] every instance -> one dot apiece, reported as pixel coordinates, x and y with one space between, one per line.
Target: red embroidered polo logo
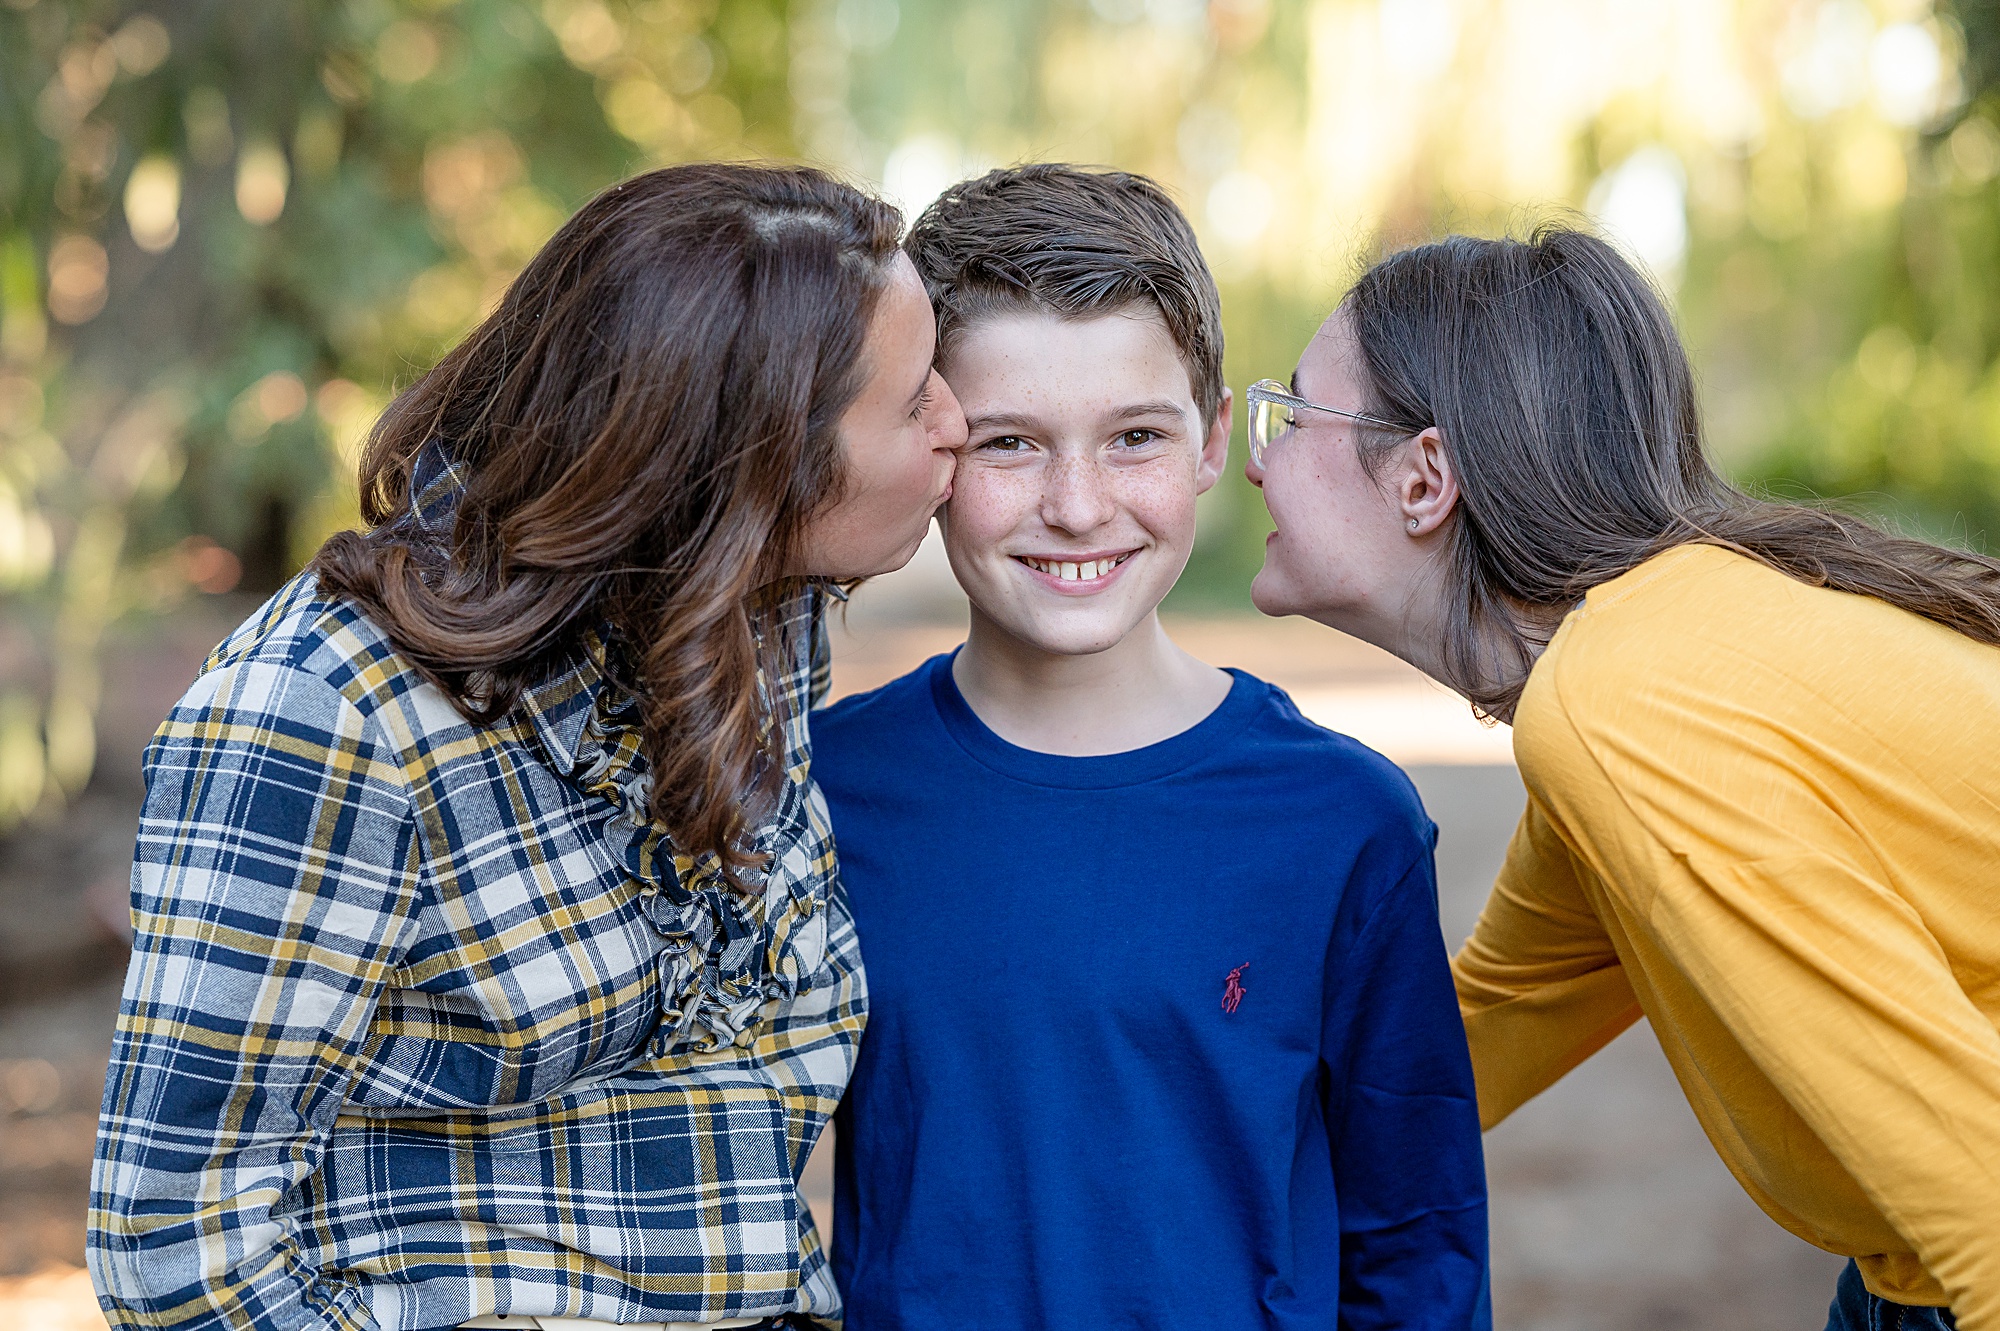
1232 989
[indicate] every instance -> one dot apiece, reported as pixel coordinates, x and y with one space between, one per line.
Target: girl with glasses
1761 743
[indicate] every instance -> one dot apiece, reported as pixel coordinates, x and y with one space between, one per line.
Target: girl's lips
1075 586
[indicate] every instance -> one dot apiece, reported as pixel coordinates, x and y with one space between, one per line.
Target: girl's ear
1215 448
1427 491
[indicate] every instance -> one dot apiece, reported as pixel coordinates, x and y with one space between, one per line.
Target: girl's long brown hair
646 424
1564 399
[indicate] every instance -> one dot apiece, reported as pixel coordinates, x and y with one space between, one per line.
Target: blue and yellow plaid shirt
427 1020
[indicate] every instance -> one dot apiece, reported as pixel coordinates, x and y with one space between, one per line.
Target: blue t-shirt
1162 1039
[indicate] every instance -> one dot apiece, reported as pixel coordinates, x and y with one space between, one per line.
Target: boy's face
1072 512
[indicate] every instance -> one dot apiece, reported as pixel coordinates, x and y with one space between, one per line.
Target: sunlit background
229 231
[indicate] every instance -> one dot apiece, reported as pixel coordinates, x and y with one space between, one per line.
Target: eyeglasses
1274 411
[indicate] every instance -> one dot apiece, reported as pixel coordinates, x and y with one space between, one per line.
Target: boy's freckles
1073 507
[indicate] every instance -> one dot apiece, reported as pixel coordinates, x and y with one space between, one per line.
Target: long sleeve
1781 805
273 894
1408 1168
1861 1023
1787 923
1539 984
1767 813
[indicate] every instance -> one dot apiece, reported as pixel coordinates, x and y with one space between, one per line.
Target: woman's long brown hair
646 424
1564 399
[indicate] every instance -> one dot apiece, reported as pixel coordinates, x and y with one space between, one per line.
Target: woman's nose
944 419
1253 472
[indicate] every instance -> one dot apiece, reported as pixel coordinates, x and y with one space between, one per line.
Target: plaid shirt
427 1020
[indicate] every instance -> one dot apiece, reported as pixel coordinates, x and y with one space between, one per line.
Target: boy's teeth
1075 572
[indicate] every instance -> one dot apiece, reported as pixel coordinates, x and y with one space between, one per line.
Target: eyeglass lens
1268 420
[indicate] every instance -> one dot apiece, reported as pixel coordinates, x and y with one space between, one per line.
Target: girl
1761 743
490 958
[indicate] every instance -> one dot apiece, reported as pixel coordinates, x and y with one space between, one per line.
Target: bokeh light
271 222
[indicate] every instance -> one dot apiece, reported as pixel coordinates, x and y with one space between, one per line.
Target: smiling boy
1161 1029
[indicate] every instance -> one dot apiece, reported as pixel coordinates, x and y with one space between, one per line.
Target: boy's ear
1215 448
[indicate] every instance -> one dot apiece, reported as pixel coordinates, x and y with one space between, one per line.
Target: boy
1161 1029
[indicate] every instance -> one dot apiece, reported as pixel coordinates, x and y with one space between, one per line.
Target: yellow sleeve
1708 802
1539 985
1843 999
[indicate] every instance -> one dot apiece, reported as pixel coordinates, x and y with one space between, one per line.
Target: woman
1761 743
490 954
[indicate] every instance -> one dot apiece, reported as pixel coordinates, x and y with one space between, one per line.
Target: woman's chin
897 560
1270 595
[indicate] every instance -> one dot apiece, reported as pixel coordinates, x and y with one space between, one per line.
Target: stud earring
1414 524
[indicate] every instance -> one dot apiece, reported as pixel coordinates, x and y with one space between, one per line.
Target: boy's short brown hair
1077 243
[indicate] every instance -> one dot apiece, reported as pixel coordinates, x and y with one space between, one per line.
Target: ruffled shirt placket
726 953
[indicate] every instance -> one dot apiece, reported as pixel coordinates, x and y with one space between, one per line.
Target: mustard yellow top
1767 816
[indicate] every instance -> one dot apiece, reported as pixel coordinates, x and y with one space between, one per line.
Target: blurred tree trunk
228 232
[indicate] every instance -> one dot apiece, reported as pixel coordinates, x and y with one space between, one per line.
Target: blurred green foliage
1875 341
1833 169
228 232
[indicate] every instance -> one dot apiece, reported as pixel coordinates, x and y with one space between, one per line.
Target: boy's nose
1077 498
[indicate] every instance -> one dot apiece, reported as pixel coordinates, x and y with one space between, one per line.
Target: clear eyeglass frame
1274 412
